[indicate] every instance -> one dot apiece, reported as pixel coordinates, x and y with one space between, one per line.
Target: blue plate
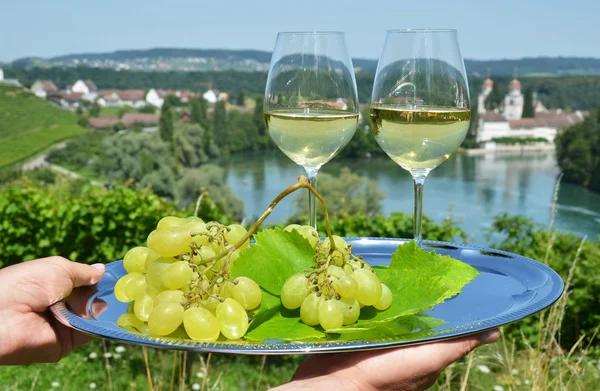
510 287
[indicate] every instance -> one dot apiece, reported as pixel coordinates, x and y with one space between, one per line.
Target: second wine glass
311 101
420 110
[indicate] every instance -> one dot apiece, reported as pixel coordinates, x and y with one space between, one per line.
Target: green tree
199 105
219 128
166 122
124 110
240 99
259 116
528 111
94 110
494 99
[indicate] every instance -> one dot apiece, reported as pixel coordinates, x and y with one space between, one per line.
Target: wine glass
311 101
420 111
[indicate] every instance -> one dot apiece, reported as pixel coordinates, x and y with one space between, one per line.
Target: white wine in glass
311 101
420 111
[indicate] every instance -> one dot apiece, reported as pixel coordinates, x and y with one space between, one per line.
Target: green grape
151 257
192 219
165 318
135 260
225 290
151 292
235 233
212 303
201 325
369 287
130 322
350 310
170 296
170 242
330 314
136 286
155 273
309 308
335 271
198 229
205 253
142 307
341 253
291 227
169 222
130 307
246 292
346 287
309 233
145 329
294 291
234 255
233 319
179 333
385 301
121 288
178 274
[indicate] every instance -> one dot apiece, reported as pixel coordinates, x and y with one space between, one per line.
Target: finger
79 273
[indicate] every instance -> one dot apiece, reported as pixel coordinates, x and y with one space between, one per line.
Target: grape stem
301 184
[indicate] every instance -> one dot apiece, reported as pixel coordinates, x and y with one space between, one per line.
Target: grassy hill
29 124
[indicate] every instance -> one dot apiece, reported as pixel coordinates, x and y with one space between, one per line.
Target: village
83 93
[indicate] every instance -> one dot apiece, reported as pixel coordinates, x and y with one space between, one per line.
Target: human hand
409 368
28 332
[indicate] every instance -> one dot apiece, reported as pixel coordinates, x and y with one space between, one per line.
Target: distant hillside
29 124
175 59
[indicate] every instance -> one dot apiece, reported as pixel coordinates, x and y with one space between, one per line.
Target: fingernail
490 336
99 266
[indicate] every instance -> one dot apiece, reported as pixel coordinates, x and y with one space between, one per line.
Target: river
473 188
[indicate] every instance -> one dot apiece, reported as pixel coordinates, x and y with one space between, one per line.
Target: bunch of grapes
332 294
179 286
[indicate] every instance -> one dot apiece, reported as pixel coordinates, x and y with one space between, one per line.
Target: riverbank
508 149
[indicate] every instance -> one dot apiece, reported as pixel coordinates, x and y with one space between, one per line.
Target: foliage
522 236
396 225
347 194
519 140
166 122
83 151
220 127
209 180
528 111
94 110
578 152
494 99
148 109
92 225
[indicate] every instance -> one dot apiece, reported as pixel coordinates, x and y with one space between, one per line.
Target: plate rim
67 317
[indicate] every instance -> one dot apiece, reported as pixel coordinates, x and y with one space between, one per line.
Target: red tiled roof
491 116
140 118
90 85
103 122
132 94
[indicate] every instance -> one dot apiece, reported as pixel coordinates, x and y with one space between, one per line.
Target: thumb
79 273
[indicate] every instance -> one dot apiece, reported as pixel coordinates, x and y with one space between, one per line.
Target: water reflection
476 188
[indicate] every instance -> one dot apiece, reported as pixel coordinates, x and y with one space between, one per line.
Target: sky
487 29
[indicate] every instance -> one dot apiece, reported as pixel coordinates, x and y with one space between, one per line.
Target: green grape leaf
418 280
269 306
405 325
286 325
276 256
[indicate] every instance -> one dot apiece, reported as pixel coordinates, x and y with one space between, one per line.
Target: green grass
13 150
110 111
29 125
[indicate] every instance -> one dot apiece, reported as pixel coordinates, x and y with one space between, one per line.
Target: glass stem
312 210
419 182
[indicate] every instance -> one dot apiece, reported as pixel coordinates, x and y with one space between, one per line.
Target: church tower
513 102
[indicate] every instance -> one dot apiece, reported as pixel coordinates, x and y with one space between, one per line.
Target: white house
1 74
211 96
85 87
43 88
8 82
153 98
